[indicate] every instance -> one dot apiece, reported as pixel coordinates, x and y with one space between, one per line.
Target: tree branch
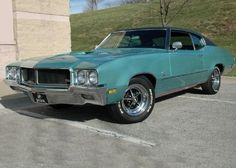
180 8
162 12
167 7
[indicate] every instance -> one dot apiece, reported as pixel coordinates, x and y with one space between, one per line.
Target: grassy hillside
213 18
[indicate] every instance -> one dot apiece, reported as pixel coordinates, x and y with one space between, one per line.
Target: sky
78 6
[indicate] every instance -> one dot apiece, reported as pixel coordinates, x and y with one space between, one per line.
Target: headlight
82 77
12 73
93 78
87 77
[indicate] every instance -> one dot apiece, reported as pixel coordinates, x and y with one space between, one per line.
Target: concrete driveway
185 130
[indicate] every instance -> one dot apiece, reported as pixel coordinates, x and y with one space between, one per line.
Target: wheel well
221 67
150 77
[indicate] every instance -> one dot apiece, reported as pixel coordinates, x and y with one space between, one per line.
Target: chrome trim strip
186 74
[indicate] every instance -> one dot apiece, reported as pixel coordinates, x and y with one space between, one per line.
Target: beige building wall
42 27
33 28
7 42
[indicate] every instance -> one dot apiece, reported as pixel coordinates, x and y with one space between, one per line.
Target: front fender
117 74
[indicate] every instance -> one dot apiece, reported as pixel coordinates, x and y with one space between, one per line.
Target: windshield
135 39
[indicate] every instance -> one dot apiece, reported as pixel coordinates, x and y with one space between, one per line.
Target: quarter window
197 41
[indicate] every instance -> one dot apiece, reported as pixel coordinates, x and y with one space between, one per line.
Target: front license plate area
40 98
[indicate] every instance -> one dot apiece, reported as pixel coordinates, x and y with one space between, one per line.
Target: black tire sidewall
215 91
124 117
208 86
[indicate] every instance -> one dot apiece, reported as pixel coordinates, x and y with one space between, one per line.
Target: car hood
88 60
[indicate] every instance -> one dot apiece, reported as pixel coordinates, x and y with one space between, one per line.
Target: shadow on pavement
22 104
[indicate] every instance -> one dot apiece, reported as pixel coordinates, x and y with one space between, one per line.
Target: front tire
212 86
137 103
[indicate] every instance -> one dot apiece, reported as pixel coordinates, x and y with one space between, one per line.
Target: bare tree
165 10
92 5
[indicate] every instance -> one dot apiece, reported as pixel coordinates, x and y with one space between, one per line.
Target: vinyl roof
159 28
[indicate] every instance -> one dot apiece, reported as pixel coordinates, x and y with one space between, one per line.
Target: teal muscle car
126 71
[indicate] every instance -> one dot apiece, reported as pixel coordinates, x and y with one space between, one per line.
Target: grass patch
213 18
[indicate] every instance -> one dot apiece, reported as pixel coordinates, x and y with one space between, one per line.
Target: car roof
208 41
161 28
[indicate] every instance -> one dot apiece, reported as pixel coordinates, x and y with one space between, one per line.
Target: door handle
200 55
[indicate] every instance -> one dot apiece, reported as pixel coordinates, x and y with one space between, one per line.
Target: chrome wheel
136 100
215 79
137 103
212 85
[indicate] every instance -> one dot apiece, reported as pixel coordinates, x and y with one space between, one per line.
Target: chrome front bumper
73 95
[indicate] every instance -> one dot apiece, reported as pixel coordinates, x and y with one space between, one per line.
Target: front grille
45 76
53 76
28 76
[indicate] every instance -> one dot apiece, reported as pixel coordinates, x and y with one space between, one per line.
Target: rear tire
212 86
137 103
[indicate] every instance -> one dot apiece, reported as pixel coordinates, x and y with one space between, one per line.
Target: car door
187 62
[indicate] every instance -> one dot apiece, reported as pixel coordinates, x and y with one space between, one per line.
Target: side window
198 41
159 42
182 37
124 42
135 41
153 39
141 39
127 41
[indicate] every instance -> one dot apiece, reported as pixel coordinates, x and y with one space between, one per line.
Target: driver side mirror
177 45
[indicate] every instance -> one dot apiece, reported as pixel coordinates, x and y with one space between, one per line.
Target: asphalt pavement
186 130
